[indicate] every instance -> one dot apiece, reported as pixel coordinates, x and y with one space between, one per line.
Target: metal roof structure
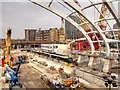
89 10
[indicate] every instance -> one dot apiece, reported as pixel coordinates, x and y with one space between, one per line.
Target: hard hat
55 78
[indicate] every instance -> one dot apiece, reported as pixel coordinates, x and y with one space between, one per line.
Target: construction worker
11 59
3 62
55 81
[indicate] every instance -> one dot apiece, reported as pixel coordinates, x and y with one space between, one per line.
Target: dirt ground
31 78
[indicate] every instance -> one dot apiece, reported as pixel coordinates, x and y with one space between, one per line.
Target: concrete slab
55 64
91 61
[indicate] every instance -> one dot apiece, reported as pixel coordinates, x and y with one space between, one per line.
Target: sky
21 14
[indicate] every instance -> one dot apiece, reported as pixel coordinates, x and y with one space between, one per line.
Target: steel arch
60 14
79 10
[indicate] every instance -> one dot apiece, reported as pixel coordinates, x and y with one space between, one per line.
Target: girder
101 14
97 41
60 14
113 11
112 40
91 5
80 39
78 9
115 30
72 6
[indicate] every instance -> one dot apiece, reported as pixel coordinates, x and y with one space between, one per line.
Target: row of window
49 47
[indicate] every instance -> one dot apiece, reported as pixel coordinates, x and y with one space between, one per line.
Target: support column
79 59
106 65
91 61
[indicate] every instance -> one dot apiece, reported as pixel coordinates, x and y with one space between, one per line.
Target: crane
8 44
6 50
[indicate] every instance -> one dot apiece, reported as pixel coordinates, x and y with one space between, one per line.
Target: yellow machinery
60 70
6 50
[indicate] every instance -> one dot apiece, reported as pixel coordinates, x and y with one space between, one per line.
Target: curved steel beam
53 10
80 39
103 18
98 3
112 10
78 9
112 40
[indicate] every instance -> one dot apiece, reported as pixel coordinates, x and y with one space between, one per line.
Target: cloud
21 15
14 1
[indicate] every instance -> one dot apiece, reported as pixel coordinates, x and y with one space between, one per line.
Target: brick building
62 35
52 35
45 35
42 35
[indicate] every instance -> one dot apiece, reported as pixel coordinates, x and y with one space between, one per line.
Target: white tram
55 48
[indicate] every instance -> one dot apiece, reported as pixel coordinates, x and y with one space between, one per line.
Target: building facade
62 35
37 36
71 31
46 35
30 34
54 35
42 35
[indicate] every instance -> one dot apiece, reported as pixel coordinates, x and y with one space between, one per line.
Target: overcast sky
21 14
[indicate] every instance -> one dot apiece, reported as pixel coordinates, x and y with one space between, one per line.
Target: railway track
60 58
84 72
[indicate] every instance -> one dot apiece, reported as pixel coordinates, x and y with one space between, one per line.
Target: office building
71 31
30 34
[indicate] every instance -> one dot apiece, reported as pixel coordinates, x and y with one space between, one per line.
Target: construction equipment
8 44
67 82
6 50
14 75
60 70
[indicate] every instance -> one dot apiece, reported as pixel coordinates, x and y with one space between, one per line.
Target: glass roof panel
62 8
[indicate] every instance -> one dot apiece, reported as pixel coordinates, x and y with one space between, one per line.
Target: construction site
90 61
